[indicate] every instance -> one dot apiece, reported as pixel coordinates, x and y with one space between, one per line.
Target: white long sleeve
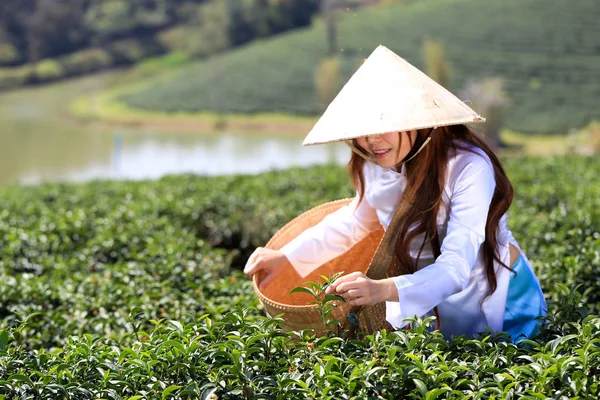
334 235
418 293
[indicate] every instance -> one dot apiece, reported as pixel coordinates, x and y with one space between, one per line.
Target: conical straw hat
387 94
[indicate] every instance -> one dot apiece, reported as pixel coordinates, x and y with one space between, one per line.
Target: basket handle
384 254
382 266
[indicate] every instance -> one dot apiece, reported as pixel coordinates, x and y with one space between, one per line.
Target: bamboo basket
297 312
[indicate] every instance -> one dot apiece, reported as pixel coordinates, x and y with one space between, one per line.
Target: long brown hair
426 176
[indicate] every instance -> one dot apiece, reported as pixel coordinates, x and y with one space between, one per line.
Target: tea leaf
435 393
300 289
170 390
3 340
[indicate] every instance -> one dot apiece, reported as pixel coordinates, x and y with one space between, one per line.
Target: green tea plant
324 302
247 357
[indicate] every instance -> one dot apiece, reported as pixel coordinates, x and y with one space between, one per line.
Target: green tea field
133 290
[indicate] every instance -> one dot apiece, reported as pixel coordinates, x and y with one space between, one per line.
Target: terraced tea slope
548 53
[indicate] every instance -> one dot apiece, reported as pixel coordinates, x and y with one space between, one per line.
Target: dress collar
394 170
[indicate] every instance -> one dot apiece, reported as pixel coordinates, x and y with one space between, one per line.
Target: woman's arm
334 235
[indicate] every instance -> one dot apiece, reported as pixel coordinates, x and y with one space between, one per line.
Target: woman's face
389 149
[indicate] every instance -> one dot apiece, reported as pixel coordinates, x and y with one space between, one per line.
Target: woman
411 149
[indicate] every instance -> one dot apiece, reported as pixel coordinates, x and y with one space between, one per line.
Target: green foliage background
44 40
33 30
132 290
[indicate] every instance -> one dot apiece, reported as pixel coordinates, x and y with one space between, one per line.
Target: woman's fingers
252 259
353 293
251 269
359 297
358 283
254 263
360 291
248 268
359 301
346 282
345 278
267 260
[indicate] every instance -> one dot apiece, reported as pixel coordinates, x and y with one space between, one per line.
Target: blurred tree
124 31
110 19
594 133
32 26
259 18
246 17
187 36
48 70
9 54
488 97
327 81
436 65
215 21
154 13
12 13
328 10
301 12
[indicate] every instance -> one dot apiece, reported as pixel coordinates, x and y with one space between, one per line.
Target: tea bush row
251 358
122 289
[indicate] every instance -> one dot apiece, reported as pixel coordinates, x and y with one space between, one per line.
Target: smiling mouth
381 153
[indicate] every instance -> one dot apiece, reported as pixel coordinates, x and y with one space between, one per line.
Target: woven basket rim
306 308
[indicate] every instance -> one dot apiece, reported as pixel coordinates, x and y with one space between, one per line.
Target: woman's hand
270 261
359 290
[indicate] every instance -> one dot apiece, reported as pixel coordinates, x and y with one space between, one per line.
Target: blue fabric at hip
524 303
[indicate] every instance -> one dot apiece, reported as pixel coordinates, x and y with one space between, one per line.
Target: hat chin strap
369 157
358 151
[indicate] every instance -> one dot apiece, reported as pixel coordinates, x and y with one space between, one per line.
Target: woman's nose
373 138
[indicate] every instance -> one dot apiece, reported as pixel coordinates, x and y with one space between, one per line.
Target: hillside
547 52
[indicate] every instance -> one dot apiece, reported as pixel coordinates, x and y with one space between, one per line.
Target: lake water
39 143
